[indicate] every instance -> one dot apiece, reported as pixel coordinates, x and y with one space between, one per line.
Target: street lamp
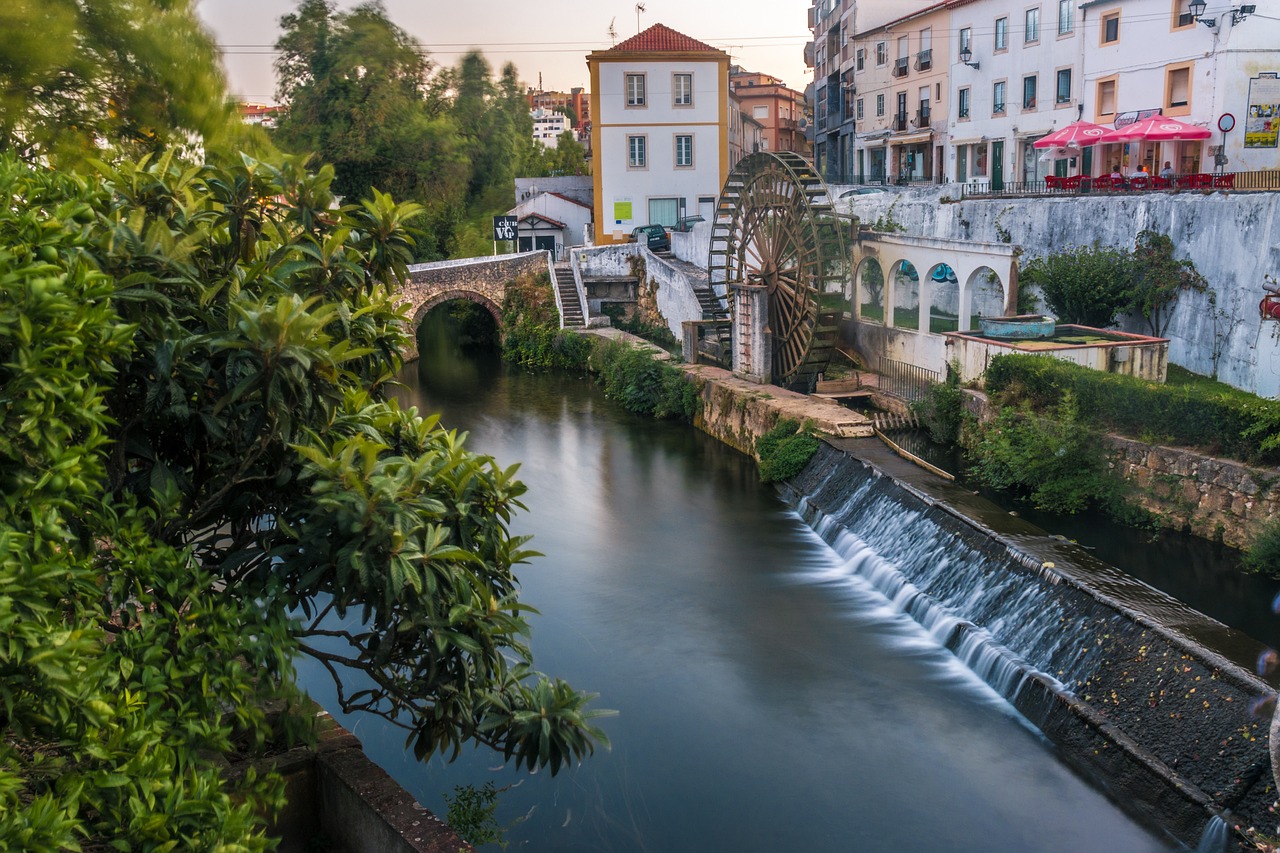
966 54
1196 8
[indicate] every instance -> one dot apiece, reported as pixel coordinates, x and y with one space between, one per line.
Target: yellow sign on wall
621 211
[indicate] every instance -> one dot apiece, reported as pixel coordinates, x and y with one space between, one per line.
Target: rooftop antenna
639 9
613 33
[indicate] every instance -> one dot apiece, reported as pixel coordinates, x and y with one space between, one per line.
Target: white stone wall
1233 238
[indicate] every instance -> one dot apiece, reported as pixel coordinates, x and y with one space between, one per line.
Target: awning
912 139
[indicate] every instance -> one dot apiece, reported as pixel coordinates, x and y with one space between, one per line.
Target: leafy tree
1087 285
201 465
1055 461
141 74
1160 279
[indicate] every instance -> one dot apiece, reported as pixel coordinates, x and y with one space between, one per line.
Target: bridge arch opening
446 328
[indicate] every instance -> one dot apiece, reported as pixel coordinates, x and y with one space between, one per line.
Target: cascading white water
1215 837
1003 621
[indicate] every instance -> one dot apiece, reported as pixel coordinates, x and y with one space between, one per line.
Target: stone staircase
569 303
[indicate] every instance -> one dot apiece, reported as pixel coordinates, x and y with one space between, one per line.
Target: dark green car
654 236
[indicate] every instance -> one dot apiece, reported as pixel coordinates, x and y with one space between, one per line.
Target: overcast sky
551 37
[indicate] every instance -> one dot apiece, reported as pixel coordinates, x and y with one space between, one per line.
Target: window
882 53
861 60
1177 90
1182 14
1029 92
879 105
997 98
760 111
635 90
1107 97
1031 34
1063 95
859 109
962 101
684 151
682 86
636 152
1111 27
1066 24
966 39
1002 33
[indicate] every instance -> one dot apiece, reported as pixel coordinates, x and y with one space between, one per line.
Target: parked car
862 191
654 236
686 223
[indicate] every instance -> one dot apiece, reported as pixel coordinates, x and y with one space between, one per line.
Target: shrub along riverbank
1047 444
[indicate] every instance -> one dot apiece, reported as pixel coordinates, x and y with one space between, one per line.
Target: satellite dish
804 122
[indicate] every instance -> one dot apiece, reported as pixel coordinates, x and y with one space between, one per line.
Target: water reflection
769 699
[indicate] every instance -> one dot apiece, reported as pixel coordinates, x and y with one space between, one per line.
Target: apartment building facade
1003 74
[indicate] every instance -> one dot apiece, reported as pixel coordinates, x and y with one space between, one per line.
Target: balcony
900 67
900 122
924 60
922 118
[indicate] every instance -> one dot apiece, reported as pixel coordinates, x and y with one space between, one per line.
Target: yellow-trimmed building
660 136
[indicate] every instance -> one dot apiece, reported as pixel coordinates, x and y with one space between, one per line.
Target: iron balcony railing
900 122
1266 180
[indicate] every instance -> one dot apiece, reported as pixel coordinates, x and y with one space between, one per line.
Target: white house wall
660 121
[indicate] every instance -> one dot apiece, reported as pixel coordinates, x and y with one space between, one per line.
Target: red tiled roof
660 37
570 200
538 216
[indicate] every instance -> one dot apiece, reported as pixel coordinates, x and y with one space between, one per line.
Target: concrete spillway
1142 693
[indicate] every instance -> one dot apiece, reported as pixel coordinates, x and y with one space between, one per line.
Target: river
768 700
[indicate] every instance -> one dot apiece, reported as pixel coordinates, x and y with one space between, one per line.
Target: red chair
1072 183
1053 182
1159 183
1198 181
1139 183
1225 182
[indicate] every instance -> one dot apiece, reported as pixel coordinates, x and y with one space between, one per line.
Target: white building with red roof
660 136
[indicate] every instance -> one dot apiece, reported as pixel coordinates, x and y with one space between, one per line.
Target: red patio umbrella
1075 135
1156 129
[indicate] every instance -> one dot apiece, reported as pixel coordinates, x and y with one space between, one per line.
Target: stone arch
870 291
905 293
942 289
984 295
442 297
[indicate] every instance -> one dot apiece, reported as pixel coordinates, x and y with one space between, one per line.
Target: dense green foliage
660 335
138 74
942 409
1055 460
1264 555
1086 285
1231 423
203 478
533 337
360 94
784 450
473 814
1090 285
643 384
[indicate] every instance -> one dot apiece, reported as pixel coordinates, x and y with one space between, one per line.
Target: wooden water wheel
775 227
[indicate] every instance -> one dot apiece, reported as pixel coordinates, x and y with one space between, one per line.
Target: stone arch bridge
480 280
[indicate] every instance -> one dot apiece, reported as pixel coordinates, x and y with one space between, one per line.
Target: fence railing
909 382
1206 182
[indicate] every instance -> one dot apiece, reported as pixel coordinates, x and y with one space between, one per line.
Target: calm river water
767 700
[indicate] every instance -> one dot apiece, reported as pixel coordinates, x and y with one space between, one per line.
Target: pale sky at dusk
552 37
